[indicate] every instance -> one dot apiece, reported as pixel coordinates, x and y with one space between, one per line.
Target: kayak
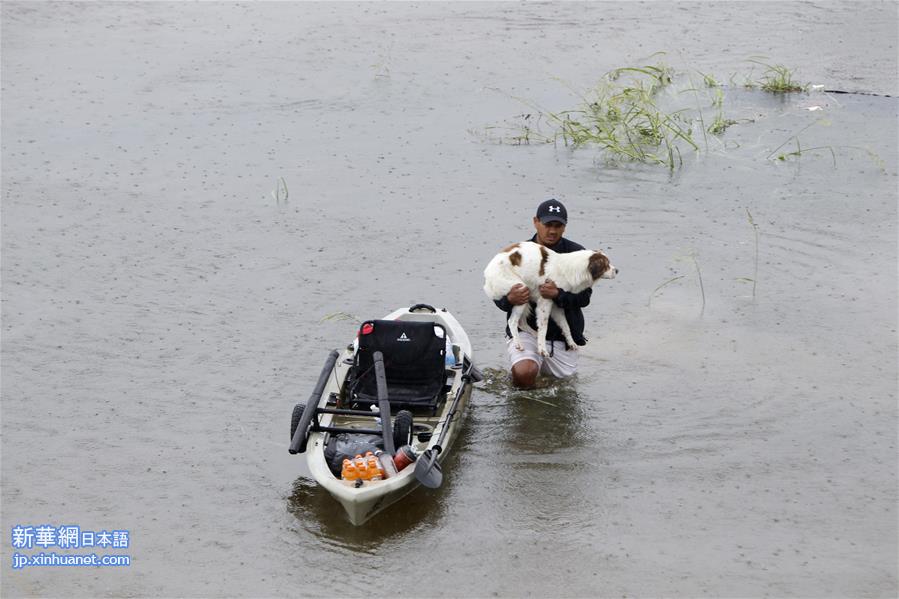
386 410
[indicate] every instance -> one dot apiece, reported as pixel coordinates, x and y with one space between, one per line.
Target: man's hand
549 290
518 295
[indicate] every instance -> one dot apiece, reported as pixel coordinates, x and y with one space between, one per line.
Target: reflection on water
323 516
319 514
543 454
544 419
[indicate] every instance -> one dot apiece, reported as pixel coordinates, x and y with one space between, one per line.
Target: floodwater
163 311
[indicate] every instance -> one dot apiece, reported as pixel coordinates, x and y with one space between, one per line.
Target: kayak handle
417 307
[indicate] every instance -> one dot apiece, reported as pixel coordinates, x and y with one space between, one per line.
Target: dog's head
600 267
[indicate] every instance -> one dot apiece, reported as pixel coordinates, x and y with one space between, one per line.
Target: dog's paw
543 352
519 347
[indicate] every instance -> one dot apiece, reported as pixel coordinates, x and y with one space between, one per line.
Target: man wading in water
526 363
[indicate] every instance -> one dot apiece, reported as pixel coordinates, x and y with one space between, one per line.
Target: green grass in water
628 115
622 116
777 79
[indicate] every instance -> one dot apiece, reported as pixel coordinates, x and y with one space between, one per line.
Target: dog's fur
532 264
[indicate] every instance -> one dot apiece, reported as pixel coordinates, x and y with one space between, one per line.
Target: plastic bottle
374 467
361 467
349 470
449 359
376 462
386 464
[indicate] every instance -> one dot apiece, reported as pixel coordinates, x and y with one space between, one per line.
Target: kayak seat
414 363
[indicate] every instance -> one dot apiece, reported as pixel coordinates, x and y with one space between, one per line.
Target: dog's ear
597 265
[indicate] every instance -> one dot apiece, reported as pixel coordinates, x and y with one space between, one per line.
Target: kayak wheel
295 418
402 428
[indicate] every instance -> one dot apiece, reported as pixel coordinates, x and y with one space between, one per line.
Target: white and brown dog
532 264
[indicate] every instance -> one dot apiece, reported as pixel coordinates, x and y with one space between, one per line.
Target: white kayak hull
363 502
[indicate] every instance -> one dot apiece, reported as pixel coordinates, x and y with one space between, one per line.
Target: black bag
347 446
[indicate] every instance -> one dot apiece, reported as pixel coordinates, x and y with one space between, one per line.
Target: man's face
550 233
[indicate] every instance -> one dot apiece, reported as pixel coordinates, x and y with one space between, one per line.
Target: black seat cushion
413 362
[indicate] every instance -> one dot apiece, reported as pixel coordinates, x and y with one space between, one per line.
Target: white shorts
561 362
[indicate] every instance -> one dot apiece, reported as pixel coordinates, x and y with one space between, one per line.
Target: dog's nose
616 271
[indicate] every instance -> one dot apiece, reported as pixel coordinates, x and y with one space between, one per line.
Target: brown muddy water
162 311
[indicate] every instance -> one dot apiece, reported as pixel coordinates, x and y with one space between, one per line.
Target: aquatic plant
621 115
799 149
777 79
718 98
709 80
693 256
631 116
776 154
382 67
755 275
660 287
720 123
280 190
339 316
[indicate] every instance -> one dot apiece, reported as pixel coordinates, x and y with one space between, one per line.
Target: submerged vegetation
755 274
632 115
693 256
777 79
720 124
783 156
279 193
341 316
622 114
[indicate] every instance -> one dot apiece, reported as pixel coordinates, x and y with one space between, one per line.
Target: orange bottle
349 470
362 468
374 467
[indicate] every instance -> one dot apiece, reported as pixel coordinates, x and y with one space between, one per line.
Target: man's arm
518 295
566 299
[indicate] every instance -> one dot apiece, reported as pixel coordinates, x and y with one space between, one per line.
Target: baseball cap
552 210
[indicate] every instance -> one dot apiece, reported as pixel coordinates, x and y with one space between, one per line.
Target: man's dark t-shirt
571 303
